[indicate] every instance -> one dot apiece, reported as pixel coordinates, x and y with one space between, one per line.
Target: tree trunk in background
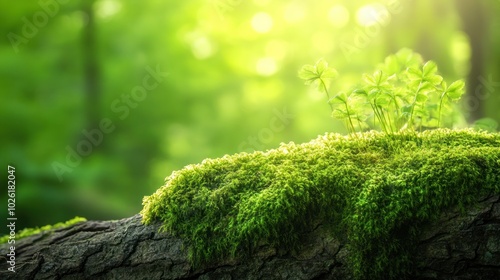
475 23
457 246
92 74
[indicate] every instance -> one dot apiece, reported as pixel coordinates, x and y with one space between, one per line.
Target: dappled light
266 66
338 16
372 14
294 13
107 8
262 22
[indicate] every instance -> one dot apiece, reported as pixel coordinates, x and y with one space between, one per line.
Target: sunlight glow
262 22
338 16
294 12
322 42
460 52
261 3
107 8
257 92
266 66
277 49
202 48
372 14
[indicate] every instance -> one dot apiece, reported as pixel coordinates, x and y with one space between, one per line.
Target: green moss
47 229
374 190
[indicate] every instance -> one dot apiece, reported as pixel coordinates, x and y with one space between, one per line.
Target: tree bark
459 245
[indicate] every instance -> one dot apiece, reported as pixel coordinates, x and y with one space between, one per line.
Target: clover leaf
402 93
319 74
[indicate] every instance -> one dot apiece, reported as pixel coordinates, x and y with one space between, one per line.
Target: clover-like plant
452 93
403 93
321 75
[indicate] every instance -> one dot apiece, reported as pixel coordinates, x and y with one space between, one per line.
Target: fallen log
458 245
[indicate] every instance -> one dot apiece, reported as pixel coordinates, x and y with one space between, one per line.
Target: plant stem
410 120
349 116
387 121
439 114
327 95
397 115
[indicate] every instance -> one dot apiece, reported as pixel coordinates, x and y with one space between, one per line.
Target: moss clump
373 189
48 228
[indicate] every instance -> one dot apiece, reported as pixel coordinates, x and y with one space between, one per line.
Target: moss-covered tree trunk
459 245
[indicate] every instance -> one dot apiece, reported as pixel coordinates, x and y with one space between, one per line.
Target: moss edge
46 229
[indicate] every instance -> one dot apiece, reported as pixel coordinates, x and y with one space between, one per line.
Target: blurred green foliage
232 85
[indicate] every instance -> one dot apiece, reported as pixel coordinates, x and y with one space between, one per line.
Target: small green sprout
403 93
454 92
345 110
320 75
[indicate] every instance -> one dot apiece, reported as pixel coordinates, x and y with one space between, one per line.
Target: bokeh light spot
262 22
294 13
107 8
202 48
372 14
266 66
338 15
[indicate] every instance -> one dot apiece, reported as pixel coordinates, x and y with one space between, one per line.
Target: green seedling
403 93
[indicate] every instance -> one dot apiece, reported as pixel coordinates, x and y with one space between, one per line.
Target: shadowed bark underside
456 246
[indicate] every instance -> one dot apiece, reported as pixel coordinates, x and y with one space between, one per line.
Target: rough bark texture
457 246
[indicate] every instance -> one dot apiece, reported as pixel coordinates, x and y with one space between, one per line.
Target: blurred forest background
73 69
